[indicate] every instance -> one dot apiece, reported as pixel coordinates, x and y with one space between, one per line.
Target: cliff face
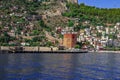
64 1
52 12
73 1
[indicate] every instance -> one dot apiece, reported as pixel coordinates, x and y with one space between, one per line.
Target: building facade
69 40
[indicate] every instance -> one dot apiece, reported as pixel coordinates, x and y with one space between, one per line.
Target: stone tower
73 1
69 40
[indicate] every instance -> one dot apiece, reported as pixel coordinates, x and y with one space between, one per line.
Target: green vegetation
49 44
93 14
78 45
70 23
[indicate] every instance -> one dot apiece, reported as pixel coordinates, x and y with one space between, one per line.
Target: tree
36 32
70 23
48 44
77 46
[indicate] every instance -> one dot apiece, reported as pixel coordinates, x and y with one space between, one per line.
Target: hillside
84 12
26 21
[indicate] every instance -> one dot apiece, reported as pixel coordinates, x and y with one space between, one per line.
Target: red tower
69 40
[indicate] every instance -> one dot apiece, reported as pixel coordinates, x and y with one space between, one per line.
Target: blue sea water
88 66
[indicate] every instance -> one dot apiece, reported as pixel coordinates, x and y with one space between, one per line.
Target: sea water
85 66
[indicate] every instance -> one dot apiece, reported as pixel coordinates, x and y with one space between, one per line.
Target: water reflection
3 62
59 66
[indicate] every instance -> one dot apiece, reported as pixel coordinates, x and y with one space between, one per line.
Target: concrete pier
25 48
38 50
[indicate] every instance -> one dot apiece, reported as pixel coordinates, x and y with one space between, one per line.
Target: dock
39 50
59 52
